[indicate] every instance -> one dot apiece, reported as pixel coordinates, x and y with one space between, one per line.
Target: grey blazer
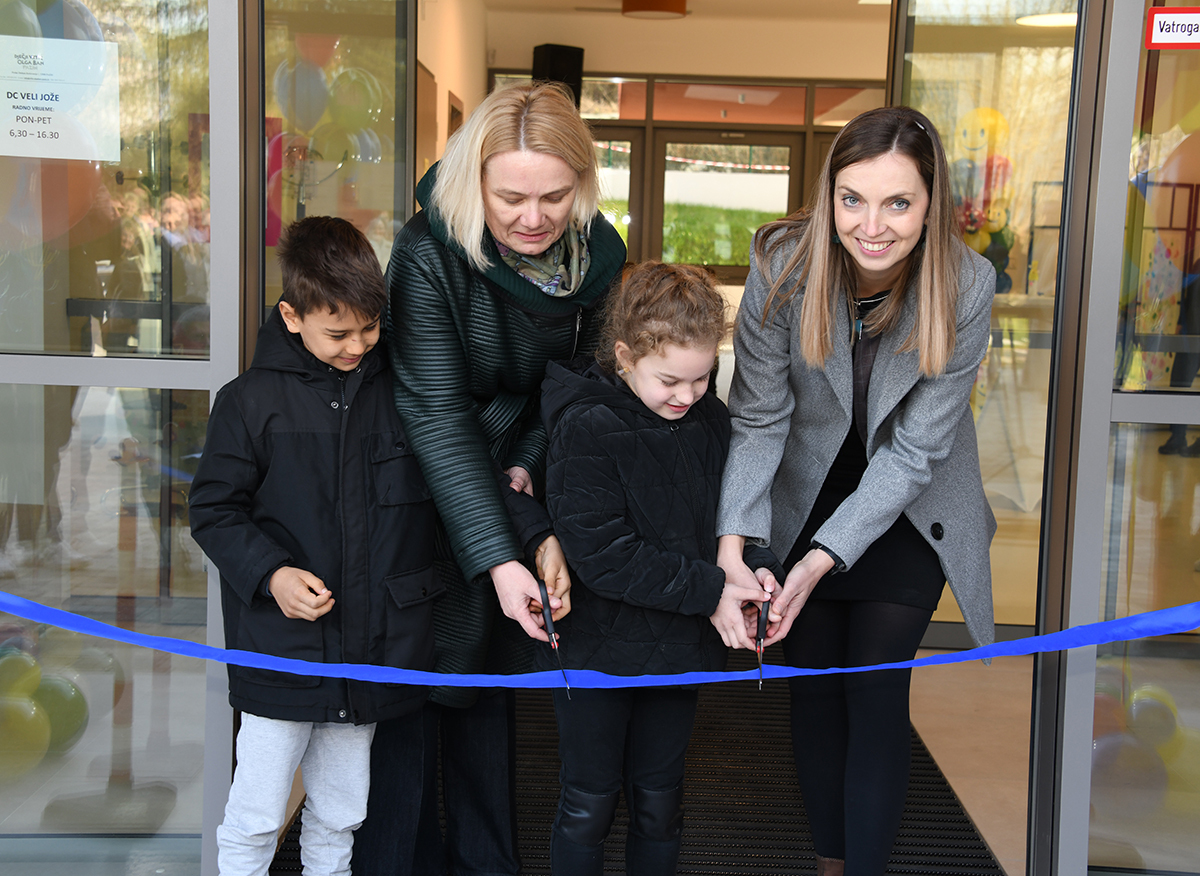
789 421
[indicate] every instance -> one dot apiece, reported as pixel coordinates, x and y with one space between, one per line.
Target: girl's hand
522 482
729 619
729 558
798 585
518 593
552 568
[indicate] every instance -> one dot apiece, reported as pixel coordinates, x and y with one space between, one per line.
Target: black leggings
851 732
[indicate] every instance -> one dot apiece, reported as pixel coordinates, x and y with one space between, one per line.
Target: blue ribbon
1139 626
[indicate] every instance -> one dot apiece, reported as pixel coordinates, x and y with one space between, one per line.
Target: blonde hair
659 304
826 271
537 117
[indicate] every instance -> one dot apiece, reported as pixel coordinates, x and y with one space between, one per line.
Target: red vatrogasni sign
1173 27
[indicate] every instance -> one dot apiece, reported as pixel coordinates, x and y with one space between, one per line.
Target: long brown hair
826 272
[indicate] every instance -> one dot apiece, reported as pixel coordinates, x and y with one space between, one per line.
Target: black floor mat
744 814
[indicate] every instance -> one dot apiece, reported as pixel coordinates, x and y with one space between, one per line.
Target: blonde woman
506 269
854 455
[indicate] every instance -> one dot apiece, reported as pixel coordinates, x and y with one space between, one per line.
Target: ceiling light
654 8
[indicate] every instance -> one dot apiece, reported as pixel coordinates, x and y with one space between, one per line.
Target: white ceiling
835 10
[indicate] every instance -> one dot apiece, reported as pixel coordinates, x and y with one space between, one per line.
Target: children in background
637 449
310 503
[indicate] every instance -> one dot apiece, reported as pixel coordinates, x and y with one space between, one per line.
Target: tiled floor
975 721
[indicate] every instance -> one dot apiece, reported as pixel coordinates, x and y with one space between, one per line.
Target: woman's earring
836 239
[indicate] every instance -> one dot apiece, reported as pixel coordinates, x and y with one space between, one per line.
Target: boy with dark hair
311 504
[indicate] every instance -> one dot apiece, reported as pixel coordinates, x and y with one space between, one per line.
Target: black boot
580 828
655 831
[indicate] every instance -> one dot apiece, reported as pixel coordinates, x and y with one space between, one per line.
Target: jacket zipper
344 421
697 511
578 328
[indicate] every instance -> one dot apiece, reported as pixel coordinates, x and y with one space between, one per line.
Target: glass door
621 155
118 319
714 189
1145 739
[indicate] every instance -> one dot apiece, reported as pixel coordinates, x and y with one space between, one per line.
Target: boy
310 503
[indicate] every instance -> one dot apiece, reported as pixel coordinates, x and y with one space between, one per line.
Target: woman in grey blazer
862 327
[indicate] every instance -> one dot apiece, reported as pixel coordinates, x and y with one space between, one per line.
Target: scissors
761 637
548 618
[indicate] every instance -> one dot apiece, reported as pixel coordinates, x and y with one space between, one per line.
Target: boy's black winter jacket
633 498
308 466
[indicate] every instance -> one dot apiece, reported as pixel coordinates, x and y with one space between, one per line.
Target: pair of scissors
547 616
761 637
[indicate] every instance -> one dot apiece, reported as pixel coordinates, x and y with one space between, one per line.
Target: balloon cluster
979 180
331 112
1143 759
43 710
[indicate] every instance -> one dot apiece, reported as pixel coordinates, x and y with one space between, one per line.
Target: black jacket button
936 531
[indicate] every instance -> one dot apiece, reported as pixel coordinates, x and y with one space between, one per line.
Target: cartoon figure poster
60 99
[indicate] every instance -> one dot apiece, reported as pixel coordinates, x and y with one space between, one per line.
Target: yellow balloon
24 736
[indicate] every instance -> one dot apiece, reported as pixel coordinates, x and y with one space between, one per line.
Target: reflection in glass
1145 796
730 104
1002 111
836 106
93 520
613 156
330 125
110 258
716 196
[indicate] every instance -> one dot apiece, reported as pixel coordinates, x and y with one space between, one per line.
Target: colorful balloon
355 99
20 674
24 736
302 92
317 48
67 709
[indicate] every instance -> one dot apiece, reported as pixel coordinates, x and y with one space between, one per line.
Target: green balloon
66 707
24 736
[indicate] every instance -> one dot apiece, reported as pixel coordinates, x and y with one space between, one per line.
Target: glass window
613 157
101 740
1159 340
729 103
1145 791
716 196
999 95
333 138
836 106
104 245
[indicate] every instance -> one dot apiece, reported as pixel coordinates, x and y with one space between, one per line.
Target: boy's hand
300 594
521 481
552 568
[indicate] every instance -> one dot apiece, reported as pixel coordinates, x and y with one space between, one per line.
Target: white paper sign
59 99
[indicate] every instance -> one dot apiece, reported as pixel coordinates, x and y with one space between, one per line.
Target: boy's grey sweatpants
336 764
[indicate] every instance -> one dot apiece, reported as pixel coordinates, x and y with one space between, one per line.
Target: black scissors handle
761 637
548 617
547 614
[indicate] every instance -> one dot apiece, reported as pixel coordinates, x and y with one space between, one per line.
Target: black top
900 566
633 498
308 466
